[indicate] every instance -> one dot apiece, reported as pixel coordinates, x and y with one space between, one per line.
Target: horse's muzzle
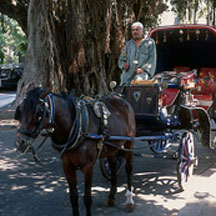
23 143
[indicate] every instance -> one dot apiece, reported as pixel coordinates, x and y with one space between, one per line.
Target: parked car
10 75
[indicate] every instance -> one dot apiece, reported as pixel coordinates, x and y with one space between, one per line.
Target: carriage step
161 155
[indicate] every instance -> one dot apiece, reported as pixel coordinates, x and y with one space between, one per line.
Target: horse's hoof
129 207
110 202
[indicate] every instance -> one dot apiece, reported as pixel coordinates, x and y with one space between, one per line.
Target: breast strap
78 131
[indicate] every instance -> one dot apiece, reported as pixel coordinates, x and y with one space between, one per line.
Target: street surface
27 189
6 98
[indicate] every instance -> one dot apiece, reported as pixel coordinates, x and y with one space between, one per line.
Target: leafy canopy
13 41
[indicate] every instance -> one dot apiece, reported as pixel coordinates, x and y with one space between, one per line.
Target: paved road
6 98
27 189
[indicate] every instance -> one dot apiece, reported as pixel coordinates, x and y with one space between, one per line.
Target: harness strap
78 129
49 98
100 146
76 134
74 124
83 126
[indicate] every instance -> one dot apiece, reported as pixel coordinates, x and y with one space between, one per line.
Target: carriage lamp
181 39
188 35
164 86
207 35
164 37
197 32
157 39
113 84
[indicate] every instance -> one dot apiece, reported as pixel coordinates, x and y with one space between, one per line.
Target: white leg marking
129 196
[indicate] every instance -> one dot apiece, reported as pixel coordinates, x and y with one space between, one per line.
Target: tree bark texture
42 63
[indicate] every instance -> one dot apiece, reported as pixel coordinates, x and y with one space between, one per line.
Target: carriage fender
187 117
204 126
169 96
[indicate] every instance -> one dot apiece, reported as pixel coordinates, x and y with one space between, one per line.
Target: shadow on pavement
28 189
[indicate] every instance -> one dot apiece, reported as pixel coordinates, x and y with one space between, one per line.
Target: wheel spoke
186 157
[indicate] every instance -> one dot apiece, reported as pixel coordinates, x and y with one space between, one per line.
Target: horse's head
32 115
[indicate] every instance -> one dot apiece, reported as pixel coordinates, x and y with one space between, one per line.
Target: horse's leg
129 205
88 176
71 176
113 167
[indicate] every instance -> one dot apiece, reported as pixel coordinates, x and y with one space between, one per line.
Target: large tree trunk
42 66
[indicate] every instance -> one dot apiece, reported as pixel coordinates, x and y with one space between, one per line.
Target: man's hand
126 66
139 70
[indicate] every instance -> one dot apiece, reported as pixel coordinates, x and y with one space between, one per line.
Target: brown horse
69 122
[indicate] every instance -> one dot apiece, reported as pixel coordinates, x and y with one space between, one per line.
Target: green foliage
13 42
189 11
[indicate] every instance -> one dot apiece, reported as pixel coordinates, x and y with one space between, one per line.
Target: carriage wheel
213 139
105 169
186 160
159 146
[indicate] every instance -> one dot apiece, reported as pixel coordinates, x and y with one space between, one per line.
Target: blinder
38 112
39 116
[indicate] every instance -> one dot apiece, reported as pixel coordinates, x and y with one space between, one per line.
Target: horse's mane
33 96
32 99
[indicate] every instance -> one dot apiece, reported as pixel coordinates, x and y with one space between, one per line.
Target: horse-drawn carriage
184 87
185 55
180 100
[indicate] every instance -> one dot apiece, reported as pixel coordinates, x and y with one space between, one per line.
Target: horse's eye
38 113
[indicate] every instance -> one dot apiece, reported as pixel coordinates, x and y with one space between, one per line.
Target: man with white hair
139 63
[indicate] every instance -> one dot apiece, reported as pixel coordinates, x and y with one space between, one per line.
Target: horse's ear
44 92
17 115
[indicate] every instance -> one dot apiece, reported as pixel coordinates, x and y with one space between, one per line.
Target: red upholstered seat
205 87
207 81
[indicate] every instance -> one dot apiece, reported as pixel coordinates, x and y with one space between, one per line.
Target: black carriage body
145 102
144 99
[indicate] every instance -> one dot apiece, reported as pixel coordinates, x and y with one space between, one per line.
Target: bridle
48 109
